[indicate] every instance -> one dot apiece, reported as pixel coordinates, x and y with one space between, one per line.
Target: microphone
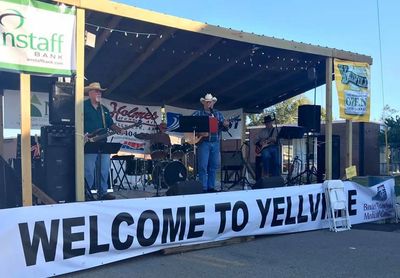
212 111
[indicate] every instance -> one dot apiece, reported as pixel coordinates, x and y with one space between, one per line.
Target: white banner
12 109
125 114
42 241
37 37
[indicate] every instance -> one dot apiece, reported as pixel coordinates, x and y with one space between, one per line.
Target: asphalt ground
368 250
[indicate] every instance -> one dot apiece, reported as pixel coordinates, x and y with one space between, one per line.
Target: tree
285 112
393 132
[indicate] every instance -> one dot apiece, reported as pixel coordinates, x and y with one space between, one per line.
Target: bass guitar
103 133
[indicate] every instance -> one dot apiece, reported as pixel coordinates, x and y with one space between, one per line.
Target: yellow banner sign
353 86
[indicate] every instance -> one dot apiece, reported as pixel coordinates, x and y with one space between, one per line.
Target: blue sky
344 24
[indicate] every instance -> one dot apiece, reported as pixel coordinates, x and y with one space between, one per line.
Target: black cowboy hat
268 119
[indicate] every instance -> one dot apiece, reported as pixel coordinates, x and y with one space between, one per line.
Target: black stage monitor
62 104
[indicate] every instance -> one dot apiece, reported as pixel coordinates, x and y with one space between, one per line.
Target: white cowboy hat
94 86
208 97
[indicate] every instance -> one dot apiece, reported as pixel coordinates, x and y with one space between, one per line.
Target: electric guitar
260 146
103 133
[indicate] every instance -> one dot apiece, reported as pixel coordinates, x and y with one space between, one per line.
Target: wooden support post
349 146
328 122
79 92
26 169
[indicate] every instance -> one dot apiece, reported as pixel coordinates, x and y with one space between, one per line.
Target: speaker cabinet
321 157
231 160
185 188
62 104
269 182
309 117
58 163
10 186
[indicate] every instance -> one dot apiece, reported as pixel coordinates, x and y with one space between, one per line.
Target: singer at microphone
208 150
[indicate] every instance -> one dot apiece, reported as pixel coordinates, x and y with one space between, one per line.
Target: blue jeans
90 167
271 161
208 161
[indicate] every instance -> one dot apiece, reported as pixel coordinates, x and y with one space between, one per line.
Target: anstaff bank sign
37 37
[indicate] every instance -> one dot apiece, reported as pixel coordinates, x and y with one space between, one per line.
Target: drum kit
167 166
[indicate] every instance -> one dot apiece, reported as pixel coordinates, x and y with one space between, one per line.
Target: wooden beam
26 163
202 28
267 85
210 76
41 196
79 90
171 73
328 120
100 40
240 81
138 61
289 93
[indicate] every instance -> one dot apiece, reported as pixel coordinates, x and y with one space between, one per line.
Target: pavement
368 250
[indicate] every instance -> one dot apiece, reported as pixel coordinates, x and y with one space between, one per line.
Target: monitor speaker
58 163
10 186
231 160
269 182
185 188
62 104
309 117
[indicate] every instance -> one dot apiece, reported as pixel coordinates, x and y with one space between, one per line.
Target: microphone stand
158 162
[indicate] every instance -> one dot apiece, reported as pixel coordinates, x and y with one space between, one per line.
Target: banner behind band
122 113
42 241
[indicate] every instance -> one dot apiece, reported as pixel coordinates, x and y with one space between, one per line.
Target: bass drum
167 173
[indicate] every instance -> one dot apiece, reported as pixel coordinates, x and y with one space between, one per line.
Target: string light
256 53
125 32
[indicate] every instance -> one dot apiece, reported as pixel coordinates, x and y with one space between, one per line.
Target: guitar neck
112 132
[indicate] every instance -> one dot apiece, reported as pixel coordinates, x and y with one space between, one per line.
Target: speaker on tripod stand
309 117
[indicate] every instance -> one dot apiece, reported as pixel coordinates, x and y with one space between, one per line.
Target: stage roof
149 58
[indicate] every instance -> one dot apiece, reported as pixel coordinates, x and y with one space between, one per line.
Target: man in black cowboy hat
97 116
267 147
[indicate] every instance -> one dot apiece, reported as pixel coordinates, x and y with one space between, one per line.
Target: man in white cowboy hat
97 116
208 151
267 147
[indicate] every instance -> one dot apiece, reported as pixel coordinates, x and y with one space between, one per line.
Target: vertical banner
37 37
354 90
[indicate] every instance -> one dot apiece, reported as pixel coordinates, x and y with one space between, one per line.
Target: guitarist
267 148
208 151
97 116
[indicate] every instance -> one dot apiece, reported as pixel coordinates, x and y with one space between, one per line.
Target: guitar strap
271 132
102 116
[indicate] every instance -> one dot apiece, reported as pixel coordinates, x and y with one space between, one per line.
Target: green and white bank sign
37 37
